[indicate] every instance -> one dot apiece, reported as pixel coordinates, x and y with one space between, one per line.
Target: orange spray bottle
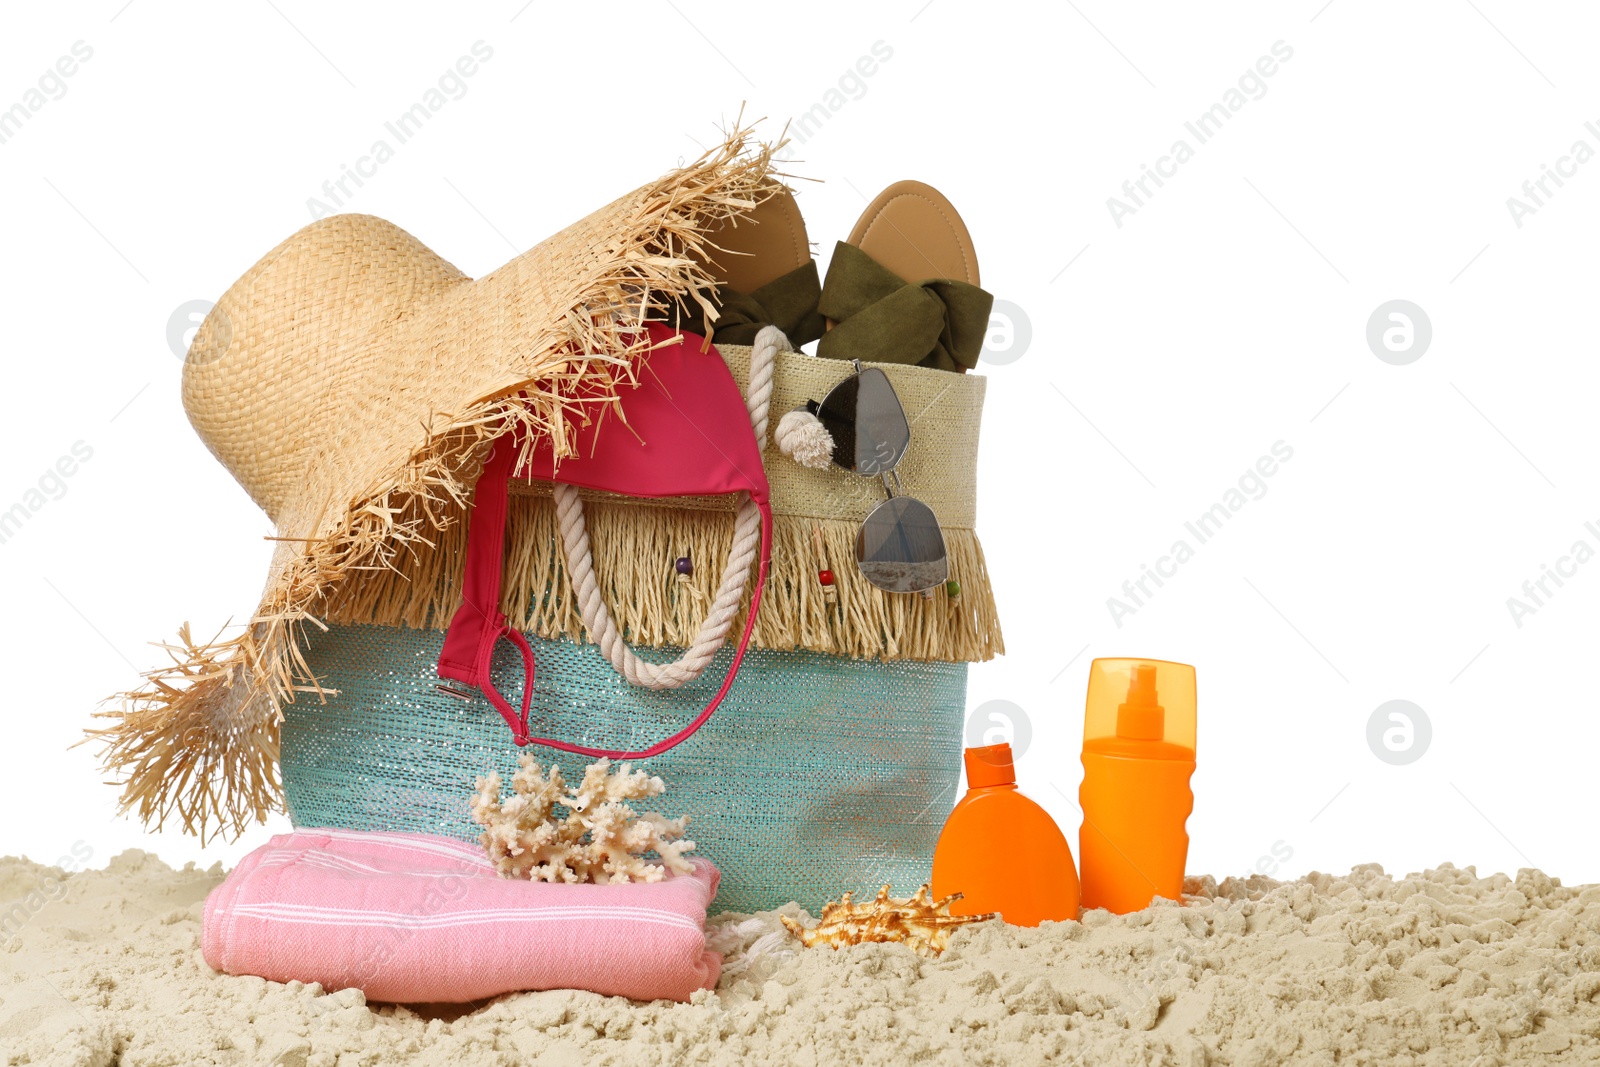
1138 756
1001 851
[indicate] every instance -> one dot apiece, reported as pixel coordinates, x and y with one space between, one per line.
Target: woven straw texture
817 513
816 775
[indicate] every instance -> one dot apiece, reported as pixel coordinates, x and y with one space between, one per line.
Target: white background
1228 313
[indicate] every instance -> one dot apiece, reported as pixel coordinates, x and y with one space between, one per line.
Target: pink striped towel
414 917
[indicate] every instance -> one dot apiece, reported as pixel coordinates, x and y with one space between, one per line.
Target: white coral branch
600 839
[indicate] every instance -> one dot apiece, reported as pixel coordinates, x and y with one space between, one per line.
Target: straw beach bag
355 384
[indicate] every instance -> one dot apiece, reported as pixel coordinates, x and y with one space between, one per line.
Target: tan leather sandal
914 231
904 288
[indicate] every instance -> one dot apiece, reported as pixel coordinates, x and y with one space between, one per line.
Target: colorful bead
830 592
686 583
952 589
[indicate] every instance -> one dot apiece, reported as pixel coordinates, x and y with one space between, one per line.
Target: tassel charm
802 437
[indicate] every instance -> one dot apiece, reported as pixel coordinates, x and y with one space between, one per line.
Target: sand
1441 967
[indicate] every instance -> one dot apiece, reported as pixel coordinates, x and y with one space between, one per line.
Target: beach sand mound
1442 967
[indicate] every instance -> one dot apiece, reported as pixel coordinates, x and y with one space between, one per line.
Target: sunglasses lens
900 548
869 427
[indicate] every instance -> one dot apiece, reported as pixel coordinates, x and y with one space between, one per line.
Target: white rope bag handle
735 575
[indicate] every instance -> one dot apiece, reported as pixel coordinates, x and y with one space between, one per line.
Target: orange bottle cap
990 765
1141 700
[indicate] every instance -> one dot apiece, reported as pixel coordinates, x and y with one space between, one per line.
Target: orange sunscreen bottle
1138 754
1002 851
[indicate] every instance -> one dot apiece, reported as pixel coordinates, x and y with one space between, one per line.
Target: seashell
920 922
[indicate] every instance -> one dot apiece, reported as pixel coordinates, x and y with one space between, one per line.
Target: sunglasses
900 548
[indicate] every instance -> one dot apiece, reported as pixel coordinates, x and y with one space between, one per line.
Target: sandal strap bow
881 318
788 302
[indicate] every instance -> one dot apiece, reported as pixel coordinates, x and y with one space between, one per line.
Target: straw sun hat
347 381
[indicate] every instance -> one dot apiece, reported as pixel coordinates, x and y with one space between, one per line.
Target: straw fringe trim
635 545
199 739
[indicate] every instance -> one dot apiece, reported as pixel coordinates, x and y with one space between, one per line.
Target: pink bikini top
688 433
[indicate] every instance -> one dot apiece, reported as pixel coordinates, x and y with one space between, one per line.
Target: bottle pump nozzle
1140 715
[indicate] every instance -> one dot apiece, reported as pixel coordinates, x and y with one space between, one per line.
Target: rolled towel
413 917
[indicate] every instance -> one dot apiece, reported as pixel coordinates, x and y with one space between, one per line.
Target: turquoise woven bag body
817 774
